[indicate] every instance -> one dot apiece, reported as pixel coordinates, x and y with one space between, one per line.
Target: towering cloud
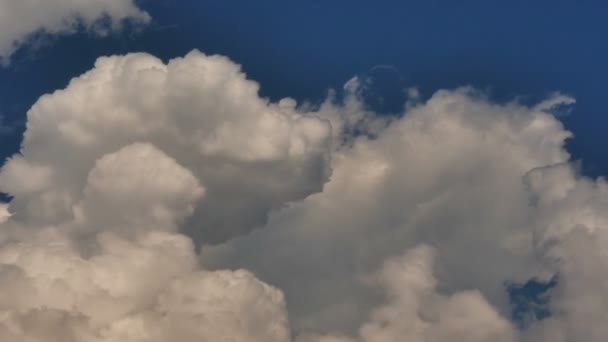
112 167
199 111
19 20
371 228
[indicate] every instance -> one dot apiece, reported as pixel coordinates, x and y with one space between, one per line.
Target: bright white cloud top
407 230
19 19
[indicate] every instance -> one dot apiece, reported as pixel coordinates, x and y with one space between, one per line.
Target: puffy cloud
424 219
448 173
416 312
147 289
93 253
138 186
105 178
19 20
571 237
200 111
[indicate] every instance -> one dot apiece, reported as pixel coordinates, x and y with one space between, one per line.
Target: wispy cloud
23 20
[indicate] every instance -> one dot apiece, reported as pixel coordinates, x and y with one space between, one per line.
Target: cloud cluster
144 289
449 173
251 156
112 166
373 228
19 20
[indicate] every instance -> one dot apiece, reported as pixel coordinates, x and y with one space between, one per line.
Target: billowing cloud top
20 19
373 228
250 155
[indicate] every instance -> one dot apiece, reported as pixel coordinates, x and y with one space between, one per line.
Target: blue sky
515 48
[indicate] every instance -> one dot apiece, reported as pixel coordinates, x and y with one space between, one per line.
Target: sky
311 172
512 49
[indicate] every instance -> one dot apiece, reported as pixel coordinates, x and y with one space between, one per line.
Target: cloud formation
19 20
449 173
571 237
251 155
369 228
144 289
109 171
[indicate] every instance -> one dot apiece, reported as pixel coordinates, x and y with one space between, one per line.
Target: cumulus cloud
372 228
19 20
146 289
109 171
137 186
416 312
250 155
448 173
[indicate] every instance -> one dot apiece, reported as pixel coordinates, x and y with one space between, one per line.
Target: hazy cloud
20 19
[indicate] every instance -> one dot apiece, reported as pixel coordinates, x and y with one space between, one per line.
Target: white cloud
20 19
147 289
571 236
111 166
138 186
251 156
449 173
423 220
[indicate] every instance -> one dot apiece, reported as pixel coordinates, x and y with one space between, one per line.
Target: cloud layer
19 20
369 228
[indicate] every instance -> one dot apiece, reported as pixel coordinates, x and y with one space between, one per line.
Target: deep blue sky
300 49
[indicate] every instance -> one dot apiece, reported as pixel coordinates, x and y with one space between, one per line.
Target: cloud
416 312
145 289
250 155
112 167
370 228
137 186
449 173
19 20
571 223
